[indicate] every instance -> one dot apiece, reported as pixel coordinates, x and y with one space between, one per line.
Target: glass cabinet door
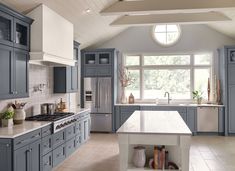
90 58
6 29
21 34
104 58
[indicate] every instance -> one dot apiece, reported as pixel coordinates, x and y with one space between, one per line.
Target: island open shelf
149 128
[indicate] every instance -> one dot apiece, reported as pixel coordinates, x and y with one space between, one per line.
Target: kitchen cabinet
85 124
192 119
226 70
6 154
70 147
14 28
28 158
97 62
58 155
47 162
14 53
221 120
66 78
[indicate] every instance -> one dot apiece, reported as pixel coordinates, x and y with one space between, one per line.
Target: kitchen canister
19 116
139 156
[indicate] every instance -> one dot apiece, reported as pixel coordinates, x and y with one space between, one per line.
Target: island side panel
123 151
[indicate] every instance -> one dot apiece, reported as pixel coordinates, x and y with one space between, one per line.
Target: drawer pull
47 163
58 155
35 136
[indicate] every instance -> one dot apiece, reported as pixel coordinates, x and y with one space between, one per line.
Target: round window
166 34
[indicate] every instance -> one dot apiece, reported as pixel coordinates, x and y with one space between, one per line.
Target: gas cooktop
46 117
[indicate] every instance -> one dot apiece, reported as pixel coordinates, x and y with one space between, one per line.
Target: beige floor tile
101 153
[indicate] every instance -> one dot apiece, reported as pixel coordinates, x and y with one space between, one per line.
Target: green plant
8 114
197 95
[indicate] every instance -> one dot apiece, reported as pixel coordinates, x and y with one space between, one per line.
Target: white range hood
51 41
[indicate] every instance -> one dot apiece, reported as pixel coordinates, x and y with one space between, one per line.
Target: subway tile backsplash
39 75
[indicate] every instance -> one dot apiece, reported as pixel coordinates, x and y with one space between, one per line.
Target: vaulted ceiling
92 28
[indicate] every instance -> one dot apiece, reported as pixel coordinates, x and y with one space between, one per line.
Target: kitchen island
149 128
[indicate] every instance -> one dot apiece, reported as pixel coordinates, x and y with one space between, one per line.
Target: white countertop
29 126
26 127
170 105
155 122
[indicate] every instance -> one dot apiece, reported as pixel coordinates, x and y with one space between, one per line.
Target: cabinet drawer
78 141
46 144
104 71
58 155
70 132
27 139
58 139
46 131
47 162
78 128
70 147
90 71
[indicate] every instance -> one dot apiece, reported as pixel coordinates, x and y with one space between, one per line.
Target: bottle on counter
131 99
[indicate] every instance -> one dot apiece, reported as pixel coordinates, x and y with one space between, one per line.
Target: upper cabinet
66 78
14 53
97 62
14 28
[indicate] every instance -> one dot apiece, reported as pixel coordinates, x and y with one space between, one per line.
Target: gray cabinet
226 75
47 162
85 130
58 155
28 158
97 62
6 154
66 78
192 119
70 147
14 72
221 120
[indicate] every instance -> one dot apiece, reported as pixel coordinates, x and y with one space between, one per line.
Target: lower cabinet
70 147
192 119
47 162
28 158
58 155
6 155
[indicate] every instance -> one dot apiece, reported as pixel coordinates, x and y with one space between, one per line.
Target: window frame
190 66
170 44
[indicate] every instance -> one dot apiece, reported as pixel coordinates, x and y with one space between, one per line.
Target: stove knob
57 127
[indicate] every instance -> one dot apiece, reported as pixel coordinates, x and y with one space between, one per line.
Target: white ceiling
92 28
89 28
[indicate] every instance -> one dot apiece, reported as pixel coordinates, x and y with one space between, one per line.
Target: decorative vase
123 96
19 116
7 122
199 101
139 157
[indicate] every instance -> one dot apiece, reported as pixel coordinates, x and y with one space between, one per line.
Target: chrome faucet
168 97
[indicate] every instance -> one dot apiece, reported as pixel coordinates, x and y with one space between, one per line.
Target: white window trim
170 44
191 66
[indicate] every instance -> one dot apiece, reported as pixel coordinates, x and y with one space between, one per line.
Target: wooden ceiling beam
183 18
166 6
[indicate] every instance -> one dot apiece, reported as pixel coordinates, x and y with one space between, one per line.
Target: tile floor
100 153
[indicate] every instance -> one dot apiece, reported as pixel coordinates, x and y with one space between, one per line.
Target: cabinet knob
7 145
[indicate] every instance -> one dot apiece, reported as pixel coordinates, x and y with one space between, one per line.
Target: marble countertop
155 122
29 126
170 105
26 127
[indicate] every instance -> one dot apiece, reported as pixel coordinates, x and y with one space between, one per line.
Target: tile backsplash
40 75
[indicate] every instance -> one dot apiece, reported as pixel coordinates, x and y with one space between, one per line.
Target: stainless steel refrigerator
98 97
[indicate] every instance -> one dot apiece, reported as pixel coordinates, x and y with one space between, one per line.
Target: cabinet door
21 73
69 79
74 76
221 120
47 162
231 108
126 112
191 119
90 58
6 155
104 58
35 156
22 159
21 34
86 130
6 62
6 29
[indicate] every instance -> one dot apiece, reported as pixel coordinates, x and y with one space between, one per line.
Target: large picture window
177 74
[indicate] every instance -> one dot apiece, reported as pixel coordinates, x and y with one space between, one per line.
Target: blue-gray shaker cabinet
192 119
227 77
6 154
66 78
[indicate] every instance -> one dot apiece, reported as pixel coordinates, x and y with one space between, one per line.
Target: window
177 74
166 35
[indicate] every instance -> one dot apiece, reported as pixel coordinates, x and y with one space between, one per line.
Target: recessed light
88 10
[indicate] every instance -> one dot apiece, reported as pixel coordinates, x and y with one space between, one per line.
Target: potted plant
7 118
198 96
